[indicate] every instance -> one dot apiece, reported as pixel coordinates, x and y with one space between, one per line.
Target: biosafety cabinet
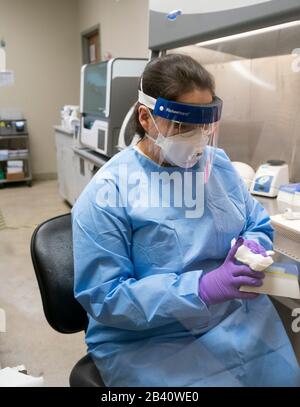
175 23
108 90
252 48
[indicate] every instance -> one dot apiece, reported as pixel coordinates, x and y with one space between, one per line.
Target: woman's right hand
223 283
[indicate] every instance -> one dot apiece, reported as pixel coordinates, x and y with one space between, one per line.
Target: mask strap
159 133
152 118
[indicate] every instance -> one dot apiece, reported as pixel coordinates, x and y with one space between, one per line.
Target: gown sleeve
105 283
257 225
257 221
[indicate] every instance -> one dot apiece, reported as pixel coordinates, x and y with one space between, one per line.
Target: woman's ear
144 118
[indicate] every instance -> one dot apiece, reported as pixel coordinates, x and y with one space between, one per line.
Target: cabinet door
70 174
60 166
84 173
66 167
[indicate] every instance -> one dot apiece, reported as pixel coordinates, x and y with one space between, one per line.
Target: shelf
12 152
6 181
15 157
14 136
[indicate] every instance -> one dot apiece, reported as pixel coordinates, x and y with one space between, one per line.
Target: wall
123 25
43 48
261 112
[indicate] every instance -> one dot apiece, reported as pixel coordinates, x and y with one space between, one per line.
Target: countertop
63 130
273 207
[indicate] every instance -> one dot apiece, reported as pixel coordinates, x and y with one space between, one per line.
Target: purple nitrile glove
223 283
253 246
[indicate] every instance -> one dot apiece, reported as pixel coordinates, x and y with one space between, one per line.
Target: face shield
186 134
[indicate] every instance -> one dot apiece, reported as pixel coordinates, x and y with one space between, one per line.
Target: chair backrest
52 257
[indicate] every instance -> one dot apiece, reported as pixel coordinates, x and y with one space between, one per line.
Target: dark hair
169 77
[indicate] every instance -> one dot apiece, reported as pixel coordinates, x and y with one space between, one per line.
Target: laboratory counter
63 130
281 243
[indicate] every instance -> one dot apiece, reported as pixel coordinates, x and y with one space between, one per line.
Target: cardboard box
16 176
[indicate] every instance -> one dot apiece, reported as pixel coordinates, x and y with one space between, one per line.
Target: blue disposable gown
136 274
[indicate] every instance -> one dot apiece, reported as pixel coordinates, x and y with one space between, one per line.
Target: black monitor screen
94 96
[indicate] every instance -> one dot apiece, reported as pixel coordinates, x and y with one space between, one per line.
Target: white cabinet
65 165
75 166
87 164
85 171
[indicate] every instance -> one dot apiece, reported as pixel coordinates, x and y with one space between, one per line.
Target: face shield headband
183 112
191 135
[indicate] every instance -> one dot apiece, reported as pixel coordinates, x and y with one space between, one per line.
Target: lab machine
269 177
108 90
289 194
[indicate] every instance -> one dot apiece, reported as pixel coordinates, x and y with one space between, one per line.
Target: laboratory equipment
246 172
20 126
69 117
289 194
108 89
212 19
252 53
291 215
172 16
74 120
269 177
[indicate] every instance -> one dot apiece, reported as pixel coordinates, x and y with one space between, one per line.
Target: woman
156 273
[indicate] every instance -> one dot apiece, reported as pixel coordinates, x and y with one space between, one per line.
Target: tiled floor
29 339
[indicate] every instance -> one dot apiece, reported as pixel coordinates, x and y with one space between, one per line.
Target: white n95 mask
190 131
182 150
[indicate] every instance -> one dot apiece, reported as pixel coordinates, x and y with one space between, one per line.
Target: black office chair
52 258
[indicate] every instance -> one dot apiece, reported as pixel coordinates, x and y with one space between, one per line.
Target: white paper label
7 78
